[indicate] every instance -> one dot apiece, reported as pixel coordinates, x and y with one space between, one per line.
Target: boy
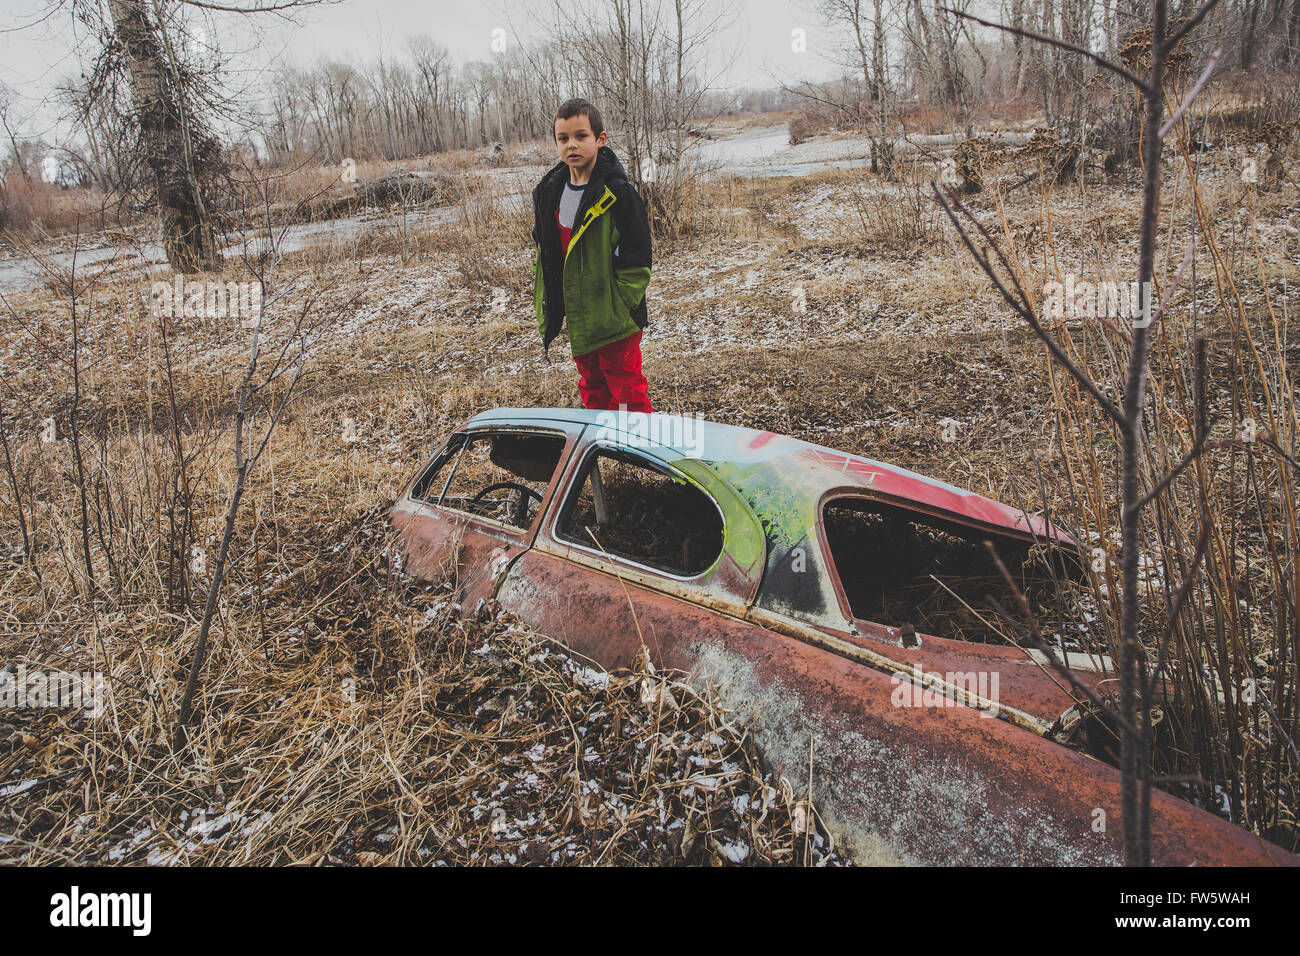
593 262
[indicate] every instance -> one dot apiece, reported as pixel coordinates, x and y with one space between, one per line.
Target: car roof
779 473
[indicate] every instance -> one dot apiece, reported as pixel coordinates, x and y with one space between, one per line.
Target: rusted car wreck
755 561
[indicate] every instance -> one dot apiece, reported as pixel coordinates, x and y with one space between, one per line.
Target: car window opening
499 476
640 512
888 559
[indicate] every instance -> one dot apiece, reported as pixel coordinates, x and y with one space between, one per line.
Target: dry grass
896 219
889 344
345 716
38 209
354 718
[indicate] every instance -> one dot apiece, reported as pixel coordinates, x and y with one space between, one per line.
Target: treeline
419 100
422 101
895 52
946 64
646 64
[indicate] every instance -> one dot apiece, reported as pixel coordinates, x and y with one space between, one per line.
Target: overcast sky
40 44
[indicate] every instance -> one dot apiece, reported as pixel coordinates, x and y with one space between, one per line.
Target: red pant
611 377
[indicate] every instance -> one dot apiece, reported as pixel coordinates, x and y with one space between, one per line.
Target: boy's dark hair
580 107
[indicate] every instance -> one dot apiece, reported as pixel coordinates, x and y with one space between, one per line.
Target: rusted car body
715 548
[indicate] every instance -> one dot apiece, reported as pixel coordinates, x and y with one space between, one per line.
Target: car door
676 557
478 504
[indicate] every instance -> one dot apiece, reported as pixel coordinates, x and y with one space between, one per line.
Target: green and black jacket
600 284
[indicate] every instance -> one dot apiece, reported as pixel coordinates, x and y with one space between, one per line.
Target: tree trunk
1135 748
1293 32
1018 46
1248 36
883 163
172 156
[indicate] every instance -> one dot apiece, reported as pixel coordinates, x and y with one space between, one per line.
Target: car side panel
919 784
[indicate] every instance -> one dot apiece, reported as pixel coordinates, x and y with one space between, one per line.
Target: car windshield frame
451 451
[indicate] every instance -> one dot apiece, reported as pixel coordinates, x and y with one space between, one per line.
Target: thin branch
1190 457
1184 591
1281 729
1196 89
1026 312
1062 44
1269 443
1035 635
1077 685
1189 26
1173 285
268 8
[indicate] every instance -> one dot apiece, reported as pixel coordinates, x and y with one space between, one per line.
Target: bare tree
270 384
433 64
6 107
1135 679
643 74
176 147
864 50
171 99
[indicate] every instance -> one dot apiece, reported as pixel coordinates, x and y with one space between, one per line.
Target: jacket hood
607 168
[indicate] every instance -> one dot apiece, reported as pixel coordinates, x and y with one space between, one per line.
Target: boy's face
577 146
